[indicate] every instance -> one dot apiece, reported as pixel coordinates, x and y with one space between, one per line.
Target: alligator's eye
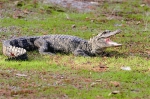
99 39
106 31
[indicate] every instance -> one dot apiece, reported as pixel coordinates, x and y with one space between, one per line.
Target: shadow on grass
115 54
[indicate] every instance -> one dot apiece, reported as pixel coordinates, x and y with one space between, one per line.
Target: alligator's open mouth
112 43
107 34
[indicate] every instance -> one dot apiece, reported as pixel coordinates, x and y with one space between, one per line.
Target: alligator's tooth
15 51
22 51
6 51
19 48
18 51
9 49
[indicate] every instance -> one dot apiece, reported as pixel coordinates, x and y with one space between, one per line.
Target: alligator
17 48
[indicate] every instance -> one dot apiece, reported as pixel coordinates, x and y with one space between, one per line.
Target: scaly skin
50 44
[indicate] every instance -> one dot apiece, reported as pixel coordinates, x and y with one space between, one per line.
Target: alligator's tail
15 49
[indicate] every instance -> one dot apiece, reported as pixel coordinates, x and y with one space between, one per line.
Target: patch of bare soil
77 5
147 2
85 5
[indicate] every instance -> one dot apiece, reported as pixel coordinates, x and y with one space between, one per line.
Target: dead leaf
99 80
94 3
19 3
67 17
1 4
101 67
142 5
127 68
115 83
18 15
73 26
25 11
114 92
93 84
84 27
135 90
25 91
21 75
148 52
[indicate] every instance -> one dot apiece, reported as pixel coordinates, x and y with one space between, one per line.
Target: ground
66 76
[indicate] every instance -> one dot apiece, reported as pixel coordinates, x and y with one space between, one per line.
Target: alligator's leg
42 46
80 52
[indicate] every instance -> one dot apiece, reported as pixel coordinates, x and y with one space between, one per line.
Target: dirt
78 5
85 5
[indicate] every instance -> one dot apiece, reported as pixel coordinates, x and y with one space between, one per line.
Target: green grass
67 76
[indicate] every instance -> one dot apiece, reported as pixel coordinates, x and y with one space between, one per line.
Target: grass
67 76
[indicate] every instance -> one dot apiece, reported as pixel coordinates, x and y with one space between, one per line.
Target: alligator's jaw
112 43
